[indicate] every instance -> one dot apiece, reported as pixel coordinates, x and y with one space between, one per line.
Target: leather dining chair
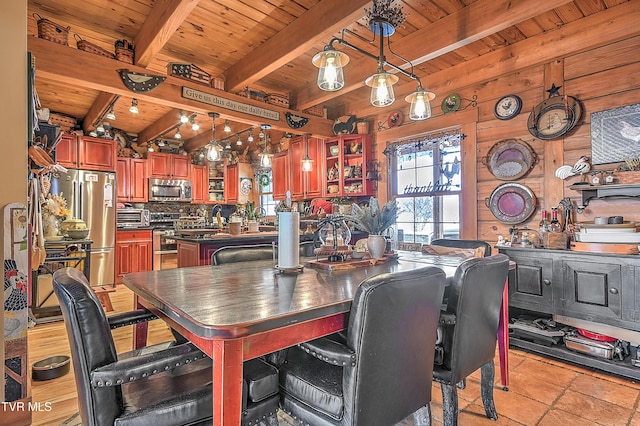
250 252
379 370
468 329
157 385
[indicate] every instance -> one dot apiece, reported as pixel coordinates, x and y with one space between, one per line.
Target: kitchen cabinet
131 180
87 153
305 184
595 291
200 183
217 173
134 252
281 175
239 183
169 166
346 162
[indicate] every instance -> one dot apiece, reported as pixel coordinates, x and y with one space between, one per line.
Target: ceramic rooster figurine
581 167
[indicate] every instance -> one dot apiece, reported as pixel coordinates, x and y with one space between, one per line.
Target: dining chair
250 252
468 329
381 371
463 244
154 385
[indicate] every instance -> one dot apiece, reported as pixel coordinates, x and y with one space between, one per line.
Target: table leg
503 337
227 382
140 329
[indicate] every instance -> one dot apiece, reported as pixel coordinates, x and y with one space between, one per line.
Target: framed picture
615 134
348 171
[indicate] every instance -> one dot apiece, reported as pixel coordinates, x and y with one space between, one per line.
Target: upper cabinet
305 184
239 183
200 183
169 166
346 159
217 173
87 153
281 175
131 180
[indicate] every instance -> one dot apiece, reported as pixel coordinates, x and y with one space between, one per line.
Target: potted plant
376 221
253 214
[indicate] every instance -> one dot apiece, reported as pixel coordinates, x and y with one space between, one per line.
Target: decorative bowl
78 234
72 223
334 150
358 254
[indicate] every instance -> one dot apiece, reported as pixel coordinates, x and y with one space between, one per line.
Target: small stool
103 296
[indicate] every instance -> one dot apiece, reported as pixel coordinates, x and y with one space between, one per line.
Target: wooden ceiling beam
97 109
588 33
461 28
161 126
100 73
321 21
161 24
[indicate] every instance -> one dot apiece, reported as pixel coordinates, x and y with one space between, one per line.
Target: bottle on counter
554 225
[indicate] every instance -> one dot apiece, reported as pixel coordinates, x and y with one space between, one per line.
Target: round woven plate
510 159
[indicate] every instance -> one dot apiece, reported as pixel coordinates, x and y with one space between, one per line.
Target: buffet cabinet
134 252
600 290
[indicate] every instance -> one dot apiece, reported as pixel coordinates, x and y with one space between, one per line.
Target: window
427 183
265 191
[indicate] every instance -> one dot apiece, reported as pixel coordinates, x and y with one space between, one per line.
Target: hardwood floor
542 392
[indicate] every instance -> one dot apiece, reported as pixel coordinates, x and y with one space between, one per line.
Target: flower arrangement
372 218
55 205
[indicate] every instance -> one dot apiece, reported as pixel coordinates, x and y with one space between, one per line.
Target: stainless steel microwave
169 190
132 218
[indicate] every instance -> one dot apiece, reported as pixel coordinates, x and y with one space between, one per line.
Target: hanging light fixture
214 149
227 127
111 115
307 162
183 118
134 106
250 137
382 19
177 135
265 157
194 125
100 128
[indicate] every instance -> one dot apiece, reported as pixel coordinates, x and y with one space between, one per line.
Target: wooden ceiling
266 46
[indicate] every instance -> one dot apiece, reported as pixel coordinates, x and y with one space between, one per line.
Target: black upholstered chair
152 386
468 330
470 244
381 371
250 252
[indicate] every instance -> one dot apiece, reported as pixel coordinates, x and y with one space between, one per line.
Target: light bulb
134 106
100 128
420 108
265 161
227 127
250 137
183 118
194 125
239 141
307 164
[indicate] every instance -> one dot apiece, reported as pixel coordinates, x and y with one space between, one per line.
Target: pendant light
177 135
134 106
111 115
307 162
420 108
214 149
265 157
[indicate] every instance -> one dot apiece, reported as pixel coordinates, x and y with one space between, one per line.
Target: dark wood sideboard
596 291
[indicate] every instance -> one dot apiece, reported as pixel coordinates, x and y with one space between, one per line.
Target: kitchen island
197 251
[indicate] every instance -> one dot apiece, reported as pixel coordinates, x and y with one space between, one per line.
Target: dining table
238 311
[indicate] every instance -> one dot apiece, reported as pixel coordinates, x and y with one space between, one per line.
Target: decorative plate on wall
451 103
512 203
510 159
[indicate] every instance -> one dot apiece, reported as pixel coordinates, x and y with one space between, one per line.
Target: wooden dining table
239 311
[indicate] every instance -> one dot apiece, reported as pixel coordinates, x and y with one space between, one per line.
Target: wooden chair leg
487 375
103 296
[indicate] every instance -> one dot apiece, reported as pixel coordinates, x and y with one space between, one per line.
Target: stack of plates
611 233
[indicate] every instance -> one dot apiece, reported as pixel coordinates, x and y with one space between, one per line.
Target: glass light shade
194 125
213 154
307 164
265 160
100 128
381 85
420 108
134 106
227 127
330 74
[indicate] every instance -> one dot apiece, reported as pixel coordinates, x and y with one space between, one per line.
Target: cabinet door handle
546 281
613 290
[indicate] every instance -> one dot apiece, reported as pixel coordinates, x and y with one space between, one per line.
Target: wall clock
554 117
507 107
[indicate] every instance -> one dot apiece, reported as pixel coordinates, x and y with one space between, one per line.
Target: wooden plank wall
603 78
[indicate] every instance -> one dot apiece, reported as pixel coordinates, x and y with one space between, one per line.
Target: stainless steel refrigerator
91 196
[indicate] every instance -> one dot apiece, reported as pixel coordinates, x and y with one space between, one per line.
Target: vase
376 245
51 227
253 226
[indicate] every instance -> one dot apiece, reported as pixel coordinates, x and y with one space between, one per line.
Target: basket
124 55
66 123
91 48
51 31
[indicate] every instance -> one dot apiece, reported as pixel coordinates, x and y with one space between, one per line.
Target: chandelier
382 19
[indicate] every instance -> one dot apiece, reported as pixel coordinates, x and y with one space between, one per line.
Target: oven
165 247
